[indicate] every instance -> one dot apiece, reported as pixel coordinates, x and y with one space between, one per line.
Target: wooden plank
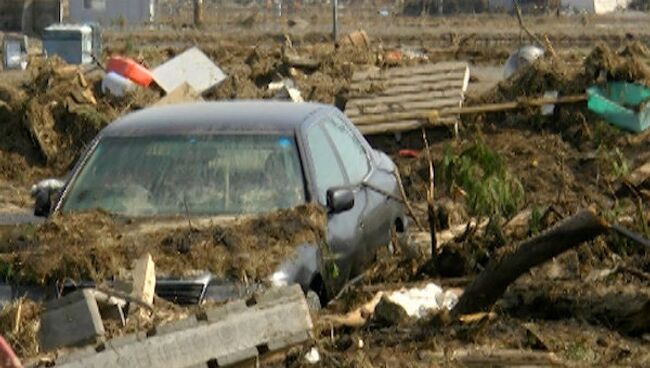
408 88
403 126
403 71
419 96
430 80
270 324
418 106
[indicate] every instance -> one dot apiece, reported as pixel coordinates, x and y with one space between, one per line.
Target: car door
374 219
343 235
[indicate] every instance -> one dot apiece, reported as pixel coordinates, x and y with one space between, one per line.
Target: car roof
215 117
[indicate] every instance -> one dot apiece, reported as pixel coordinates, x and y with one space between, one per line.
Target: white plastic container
116 84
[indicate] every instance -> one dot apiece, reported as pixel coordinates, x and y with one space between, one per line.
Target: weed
605 133
535 224
613 164
482 173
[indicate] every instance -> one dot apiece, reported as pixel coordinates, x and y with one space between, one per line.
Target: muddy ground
589 306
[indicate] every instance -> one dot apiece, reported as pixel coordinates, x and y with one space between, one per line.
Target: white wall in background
110 12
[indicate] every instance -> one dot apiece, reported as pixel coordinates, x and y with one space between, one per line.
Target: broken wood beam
502 271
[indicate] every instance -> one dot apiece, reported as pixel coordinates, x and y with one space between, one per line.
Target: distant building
595 6
587 6
112 12
31 16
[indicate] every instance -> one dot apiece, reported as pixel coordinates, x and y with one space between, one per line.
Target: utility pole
198 13
335 26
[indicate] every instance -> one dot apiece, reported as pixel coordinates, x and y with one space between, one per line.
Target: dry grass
19 323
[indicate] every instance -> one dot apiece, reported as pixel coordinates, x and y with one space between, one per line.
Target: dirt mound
95 246
50 119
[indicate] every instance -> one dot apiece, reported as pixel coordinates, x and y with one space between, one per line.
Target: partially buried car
240 158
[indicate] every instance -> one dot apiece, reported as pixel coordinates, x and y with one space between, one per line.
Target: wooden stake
431 213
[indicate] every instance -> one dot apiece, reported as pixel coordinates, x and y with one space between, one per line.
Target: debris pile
96 246
51 118
550 74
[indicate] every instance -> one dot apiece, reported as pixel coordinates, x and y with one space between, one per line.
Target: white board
192 67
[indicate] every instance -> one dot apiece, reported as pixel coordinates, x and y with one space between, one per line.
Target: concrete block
76 355
230 340
284 342
118 342
276 293
236 357
181 324
73 320
219 313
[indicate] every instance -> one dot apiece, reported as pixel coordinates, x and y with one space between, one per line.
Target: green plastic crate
617 104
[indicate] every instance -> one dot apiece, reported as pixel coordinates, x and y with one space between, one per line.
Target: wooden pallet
376 94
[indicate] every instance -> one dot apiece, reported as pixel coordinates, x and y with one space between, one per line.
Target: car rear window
196 175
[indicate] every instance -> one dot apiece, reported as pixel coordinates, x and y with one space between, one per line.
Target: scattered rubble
96 246
585 307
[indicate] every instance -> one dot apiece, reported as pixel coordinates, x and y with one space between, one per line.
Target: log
502 271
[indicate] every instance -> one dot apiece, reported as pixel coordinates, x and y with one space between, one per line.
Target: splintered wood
144 280
378 98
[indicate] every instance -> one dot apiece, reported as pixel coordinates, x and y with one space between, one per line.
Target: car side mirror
339 200
43 193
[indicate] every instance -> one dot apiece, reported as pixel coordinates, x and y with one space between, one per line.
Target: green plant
604 133
613 165
482 173
535 224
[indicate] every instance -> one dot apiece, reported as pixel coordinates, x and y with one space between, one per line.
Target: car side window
327 171
352 152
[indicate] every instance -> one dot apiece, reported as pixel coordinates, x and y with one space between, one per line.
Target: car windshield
195 175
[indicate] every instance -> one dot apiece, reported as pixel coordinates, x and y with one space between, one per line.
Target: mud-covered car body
337 169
